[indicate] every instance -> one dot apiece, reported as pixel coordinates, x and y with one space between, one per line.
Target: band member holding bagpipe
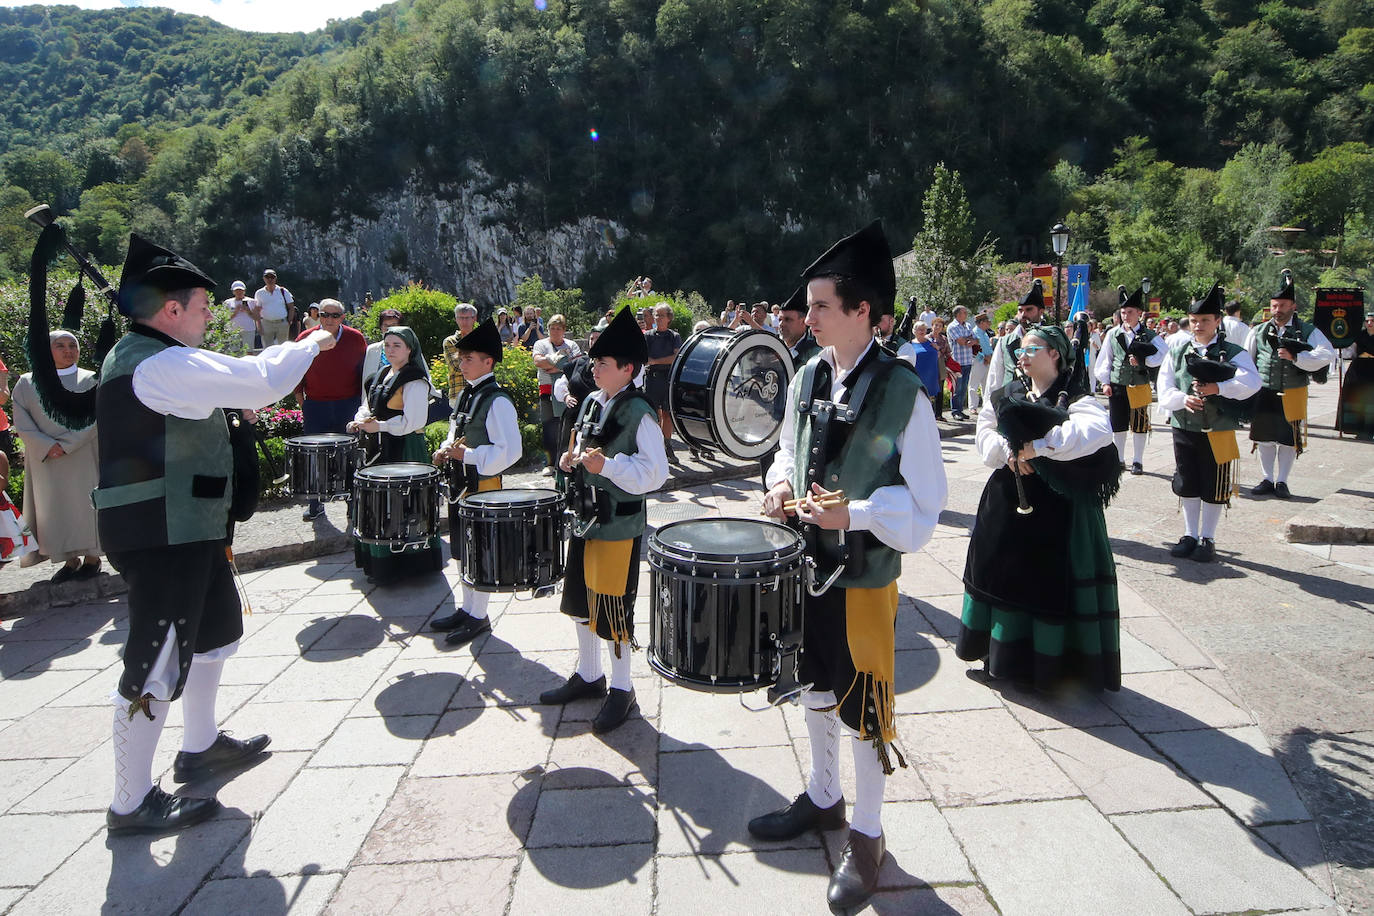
1286 351
1057 469
856 421
163 505
1128 352
1204 382
484 439
616 457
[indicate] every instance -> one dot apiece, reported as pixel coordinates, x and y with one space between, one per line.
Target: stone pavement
406 778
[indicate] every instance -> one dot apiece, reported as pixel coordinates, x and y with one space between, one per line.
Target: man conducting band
163 510
855 421
1127 353
1286 350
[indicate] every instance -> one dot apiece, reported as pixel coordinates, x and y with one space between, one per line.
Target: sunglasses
331 314
1027 351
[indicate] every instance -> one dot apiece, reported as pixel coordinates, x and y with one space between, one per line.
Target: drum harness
587 503
468 402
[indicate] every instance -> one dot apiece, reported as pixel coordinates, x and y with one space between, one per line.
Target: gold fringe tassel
1140 420
238 582
612 607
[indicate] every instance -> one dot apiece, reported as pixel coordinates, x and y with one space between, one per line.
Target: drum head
315 439
496 499
747 383
729 538
399 472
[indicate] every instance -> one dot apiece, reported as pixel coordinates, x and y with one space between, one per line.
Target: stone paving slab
1118 771
1236 765
606 879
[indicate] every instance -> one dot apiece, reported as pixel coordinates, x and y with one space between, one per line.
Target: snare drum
727 603
727 391
321 466
512 539
396 505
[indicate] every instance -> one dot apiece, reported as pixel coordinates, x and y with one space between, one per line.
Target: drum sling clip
811 588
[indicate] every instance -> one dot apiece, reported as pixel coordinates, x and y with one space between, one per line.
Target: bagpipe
1289 340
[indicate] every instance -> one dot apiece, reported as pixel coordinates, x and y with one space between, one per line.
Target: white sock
620 669
823 728
135 742
870 784
1266 453
198 704
1120 440
1190 511
588 654
1211 514
1287 455
1139 444
475 603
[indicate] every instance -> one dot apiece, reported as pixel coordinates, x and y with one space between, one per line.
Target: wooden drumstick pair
822 500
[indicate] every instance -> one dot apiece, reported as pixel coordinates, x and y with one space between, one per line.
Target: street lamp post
1145 291
1059 238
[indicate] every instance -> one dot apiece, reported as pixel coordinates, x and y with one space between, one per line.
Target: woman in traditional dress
1356 416
1040 601
394 410
60 470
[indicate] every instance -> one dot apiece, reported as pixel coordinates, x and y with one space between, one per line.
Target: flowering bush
280 422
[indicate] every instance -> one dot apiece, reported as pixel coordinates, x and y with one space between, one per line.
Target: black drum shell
321 466
513 545
396 504
717 620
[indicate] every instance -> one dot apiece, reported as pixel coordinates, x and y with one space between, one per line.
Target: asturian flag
1078 288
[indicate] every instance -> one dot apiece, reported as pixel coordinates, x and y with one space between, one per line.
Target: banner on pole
1339 314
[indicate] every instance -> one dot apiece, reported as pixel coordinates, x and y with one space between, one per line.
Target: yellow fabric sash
870 624
1224 446
491 483
1138 396
1294 404
606 566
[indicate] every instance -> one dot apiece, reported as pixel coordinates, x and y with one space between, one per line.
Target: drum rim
334 439
367 473
731 444
551 497
766 556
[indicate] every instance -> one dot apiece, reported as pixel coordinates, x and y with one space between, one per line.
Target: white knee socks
1191 506
588 653
1287 455
620 669
1138 441
475 603
823 728
1120 440
198 704
1211 514
135 742
1266 456
870 784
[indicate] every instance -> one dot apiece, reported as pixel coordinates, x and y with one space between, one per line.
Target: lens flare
541 5
594 135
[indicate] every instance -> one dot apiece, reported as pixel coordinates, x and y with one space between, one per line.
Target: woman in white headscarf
60 470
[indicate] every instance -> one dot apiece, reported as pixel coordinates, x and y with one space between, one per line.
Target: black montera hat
152 267
1035 297
796 302
622 339
1135 300
482 339
1209 304
1286 290
863 256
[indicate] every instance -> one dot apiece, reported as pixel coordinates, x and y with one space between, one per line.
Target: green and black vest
1123 373
854 452
163 480
1221 413
806 348
1279 374
470 420
620 515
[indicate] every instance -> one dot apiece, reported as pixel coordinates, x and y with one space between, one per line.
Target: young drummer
1204 419
484 438
617 456
856 420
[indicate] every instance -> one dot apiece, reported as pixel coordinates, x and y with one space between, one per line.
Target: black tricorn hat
1286 290
1209 304
622 339
1135 300
482 339
1035 297
863 256
152 267
796 302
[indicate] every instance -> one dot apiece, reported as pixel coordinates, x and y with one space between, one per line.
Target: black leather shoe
1206 551
1281 490
225 754
1184 548
574 688
792 821
1263 488
856 878
1136 469
451 622
472 628
161 813
65 574
617 708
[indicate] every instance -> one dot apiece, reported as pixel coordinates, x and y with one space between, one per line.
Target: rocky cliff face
458 239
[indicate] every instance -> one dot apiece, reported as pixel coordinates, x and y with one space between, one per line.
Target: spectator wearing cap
276 309
243 313
331 389
372 359
505 328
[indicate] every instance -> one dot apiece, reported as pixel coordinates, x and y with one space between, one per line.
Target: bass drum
727 391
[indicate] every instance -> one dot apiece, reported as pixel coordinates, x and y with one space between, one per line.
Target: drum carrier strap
468 402
587 502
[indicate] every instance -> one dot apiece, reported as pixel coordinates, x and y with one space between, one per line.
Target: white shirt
903 516
1236 330
929 316
502 430
414 409
273 304
906 352
1102 369
645 470
1088 429
243 320
190 383
1245 382
1321 354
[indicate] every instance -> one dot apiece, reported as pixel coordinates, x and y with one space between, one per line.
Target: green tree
1334 188
948 267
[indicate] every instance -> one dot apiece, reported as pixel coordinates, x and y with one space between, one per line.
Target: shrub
281 423
684 316
566 302
428 312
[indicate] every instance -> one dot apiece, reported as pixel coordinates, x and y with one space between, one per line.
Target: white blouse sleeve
504 433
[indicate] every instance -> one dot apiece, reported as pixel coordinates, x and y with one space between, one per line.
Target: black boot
225 754
856 878
1206 551
574 688
797 818
450 621
161 813
1184 548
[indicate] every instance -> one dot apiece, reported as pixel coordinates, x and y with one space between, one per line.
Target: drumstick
823 500
589 452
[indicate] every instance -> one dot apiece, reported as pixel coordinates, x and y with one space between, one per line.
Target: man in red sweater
332 388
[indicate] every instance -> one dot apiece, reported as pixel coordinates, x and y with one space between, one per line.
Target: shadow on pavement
1335 774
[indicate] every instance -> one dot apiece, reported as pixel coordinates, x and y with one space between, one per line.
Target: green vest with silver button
1122 372
627 413
1279 374
1214 415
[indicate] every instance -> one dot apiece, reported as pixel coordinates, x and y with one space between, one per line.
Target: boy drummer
484 438
617 456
